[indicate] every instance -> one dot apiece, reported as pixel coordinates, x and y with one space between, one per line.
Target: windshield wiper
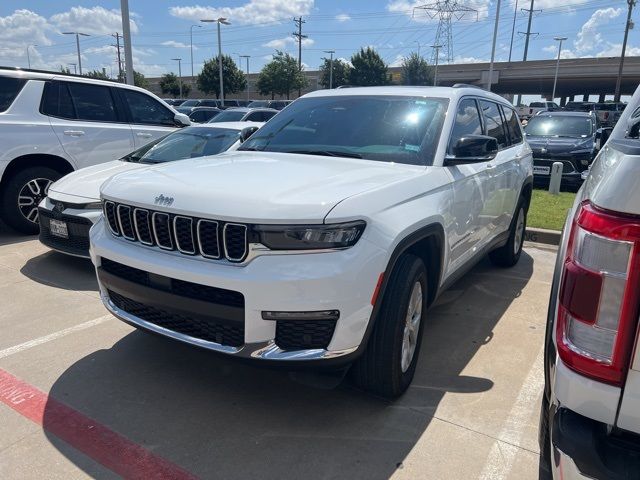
326 153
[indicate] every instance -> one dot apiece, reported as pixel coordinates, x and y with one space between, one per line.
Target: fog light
318 315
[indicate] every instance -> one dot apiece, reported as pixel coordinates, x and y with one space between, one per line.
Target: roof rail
53 72
467 85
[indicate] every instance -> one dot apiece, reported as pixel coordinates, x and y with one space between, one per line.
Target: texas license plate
58 228
541 170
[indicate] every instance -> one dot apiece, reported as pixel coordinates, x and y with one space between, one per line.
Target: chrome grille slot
142 226
110 215
235 242
183 231
126 222
162 230
208 239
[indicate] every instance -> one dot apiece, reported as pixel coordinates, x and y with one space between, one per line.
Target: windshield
189 142
384 128
228 116
558 126
190 103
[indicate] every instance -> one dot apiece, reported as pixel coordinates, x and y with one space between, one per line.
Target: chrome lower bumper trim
267 351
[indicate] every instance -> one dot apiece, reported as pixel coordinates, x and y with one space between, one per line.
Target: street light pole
126 38
493 48
435 76
629 24
179 60
247 57
219 21
555 78
28 57
77 34
191 37
415 41
513 29
330 68
75 70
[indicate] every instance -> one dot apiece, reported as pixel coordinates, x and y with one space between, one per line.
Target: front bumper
571 176
79 221
582 448
341 280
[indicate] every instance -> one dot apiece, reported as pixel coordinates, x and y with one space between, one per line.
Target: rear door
150 119
87 121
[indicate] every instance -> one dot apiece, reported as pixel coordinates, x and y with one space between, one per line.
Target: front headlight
93 206
310 237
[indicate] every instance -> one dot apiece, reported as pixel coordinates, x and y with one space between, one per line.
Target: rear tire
21 196
389 362
509 254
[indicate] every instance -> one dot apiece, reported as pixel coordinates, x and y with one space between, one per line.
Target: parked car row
607 113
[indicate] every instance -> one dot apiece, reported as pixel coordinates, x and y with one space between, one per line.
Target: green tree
368 69
233 78
170 84
65 70
99 74
416 71
139 79
280 76
341 71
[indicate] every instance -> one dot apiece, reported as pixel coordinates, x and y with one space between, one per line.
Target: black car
572 138
203 114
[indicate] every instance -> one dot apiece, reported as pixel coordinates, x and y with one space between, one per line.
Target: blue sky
259 27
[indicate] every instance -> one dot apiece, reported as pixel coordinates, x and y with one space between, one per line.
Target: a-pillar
601 98
585 97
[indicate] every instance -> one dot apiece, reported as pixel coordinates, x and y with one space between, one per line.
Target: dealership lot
471 412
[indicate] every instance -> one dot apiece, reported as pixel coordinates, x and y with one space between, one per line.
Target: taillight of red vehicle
600 294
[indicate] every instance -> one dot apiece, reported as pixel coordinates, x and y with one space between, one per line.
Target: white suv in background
52 124
322 240
590 419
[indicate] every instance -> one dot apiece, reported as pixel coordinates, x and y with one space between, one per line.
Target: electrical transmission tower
446 11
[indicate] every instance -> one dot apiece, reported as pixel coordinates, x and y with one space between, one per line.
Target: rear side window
467 122
515 132
56 101
146 110
9 90
93 102
493 122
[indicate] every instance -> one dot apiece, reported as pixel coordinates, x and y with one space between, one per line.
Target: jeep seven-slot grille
188 235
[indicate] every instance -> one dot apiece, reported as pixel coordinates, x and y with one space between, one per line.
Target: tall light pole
247 57
513 29
191 37
629 25
179 60
77 34
416 41
555 78
28 57
436 56
219 21
331 52
126 38
75 70
493 48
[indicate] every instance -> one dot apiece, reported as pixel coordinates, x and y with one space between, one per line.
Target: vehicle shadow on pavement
61 271
221 418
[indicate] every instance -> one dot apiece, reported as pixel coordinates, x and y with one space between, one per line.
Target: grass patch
549 211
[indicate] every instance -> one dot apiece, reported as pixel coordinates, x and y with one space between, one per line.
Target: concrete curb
541 235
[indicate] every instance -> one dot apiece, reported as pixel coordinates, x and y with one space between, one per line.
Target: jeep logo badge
164 201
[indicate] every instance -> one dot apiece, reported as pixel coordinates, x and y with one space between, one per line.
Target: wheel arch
35 160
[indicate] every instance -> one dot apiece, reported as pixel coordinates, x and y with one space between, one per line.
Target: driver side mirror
473 149
181 120
247 132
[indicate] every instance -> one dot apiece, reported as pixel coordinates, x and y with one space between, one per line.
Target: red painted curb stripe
105 446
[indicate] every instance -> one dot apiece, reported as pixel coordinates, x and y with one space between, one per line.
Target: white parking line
503 451
53 336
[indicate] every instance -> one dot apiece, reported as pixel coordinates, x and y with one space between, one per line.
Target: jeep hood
84 184
255 186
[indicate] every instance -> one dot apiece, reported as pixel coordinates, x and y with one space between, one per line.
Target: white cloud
542 4
553 50
173 43
459 60
251 13
22 28
95 20
281 43
614 50
343 17
589 37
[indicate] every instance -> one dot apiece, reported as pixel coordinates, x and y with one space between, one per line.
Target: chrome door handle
143 135
74 133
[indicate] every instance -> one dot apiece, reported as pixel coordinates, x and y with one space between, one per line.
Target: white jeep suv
52 124
590 419
324 238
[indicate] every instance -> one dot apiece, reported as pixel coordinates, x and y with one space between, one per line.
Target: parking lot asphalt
84 395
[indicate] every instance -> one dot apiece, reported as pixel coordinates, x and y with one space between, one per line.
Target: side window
515 131
146 110
56 101
92 102
267 115
467 122
9 90
255 117
493 122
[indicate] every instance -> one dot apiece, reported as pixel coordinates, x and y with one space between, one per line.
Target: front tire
389 362
21 197
509 254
